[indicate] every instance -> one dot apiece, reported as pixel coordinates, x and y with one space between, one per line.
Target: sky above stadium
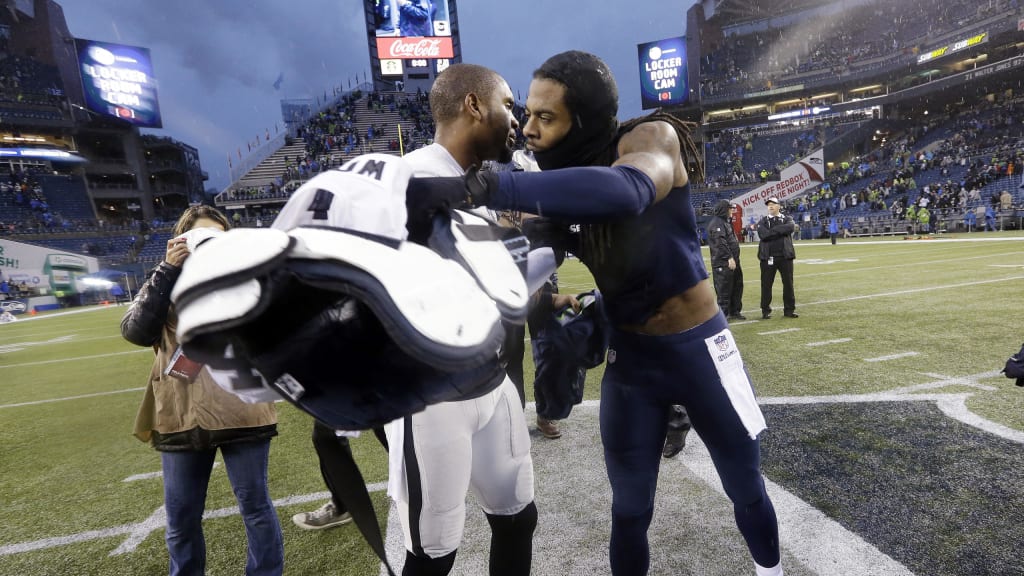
216 62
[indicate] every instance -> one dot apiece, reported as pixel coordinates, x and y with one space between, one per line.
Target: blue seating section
67 195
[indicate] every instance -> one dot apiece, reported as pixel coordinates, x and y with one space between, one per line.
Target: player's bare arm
653 148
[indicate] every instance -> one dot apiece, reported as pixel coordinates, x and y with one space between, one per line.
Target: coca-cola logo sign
415 47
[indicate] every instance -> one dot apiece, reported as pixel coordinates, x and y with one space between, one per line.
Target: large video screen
118 81
410 17
663 73
411 29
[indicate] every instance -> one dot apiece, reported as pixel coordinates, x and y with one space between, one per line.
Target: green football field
894 446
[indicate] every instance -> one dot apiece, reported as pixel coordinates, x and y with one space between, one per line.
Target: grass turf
957 306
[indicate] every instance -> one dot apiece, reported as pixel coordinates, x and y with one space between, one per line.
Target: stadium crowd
854 36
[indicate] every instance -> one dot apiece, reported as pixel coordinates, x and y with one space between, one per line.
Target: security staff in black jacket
776 254
725 262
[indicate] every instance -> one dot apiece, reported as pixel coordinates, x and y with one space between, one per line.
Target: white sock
773 571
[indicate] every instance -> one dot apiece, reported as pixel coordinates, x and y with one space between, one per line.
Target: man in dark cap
776 254
627 187
725 261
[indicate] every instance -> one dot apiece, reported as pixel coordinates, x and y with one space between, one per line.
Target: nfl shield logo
722 342
611 356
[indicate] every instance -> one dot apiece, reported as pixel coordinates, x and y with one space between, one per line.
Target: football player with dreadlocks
628 188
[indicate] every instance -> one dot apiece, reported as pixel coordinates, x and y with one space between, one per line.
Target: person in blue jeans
187 417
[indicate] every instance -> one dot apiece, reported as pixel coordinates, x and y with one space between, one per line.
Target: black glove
543 232
425 197
431 194
479 185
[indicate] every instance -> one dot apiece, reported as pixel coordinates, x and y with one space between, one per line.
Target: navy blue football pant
644 376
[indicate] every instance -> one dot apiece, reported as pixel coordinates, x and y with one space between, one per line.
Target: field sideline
894 446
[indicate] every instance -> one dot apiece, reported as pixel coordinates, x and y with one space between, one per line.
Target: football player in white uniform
436 455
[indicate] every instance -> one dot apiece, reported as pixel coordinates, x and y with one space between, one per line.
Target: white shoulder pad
242 252
367 194
218 282
493 258
217 307
437 297
197 236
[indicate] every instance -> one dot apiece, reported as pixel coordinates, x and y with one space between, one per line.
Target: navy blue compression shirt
641 253
642 261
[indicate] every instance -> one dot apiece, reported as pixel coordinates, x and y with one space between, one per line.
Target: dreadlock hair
684 129
596 239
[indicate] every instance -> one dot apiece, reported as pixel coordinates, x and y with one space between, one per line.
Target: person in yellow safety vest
923 217
911 217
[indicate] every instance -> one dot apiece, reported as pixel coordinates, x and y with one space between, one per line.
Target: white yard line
93 395
75 359
820 543
956 408
742 322
943 381
912 291
151 475
44 333
891 266
18 346
887 396
67 338
828 342
892 357
783 331
146 476
137 532
28 318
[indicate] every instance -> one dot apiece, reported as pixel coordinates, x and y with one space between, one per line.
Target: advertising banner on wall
409 48
957 46
43 270
795 180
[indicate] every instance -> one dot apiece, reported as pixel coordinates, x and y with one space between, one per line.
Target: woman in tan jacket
187 417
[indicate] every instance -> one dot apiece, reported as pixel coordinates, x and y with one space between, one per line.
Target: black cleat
737 317
766 316
791 315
